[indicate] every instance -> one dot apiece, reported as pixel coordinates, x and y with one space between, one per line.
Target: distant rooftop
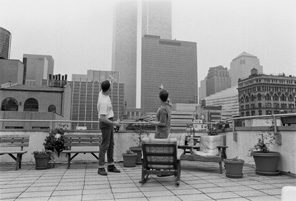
244 54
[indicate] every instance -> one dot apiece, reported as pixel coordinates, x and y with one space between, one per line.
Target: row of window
267 97
267 112
31 104
269 88
267 105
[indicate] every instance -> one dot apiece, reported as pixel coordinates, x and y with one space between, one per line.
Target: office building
85 92
133 19
217 80
171 63
202 90
261 94
5 40
241 66
12 71
38 67
228 99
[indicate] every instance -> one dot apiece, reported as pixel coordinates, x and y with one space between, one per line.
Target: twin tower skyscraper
144 53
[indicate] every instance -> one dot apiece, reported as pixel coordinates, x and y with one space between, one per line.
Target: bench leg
220 166
18 161
69 159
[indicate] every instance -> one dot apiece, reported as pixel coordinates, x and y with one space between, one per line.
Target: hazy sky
78 33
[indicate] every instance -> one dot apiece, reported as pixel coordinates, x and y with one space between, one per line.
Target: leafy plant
264 141
55 141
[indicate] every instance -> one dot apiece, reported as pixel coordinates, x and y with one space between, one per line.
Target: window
283 105
253 113
260 112
247 113
52 108
275 97
283 97
259 105
247 107
242 107
247 98
259 97
268 105
253 98
252 105
31 104
268 112
290 98
9 104
267 97
291 105
276 105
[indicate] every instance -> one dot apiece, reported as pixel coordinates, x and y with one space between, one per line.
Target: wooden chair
160 157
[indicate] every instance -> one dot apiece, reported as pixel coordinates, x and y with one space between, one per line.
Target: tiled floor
199 181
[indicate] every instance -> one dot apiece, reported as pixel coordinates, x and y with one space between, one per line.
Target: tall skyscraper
131 19
37 68
217 80
85 92
5 38
241 66
202 90
171 63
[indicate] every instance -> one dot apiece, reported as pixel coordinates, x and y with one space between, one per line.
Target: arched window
259 97
267 97
253 98
283 97
275 97
52 108
247 99
31 104
290 98
9 104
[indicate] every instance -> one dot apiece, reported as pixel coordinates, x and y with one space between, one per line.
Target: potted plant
43 159
234 167
266 161
129 158
55 140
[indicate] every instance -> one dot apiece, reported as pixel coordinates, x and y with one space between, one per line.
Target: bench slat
83 136
13 152
81 144
14 136
76 151
13 140
8 144
82 140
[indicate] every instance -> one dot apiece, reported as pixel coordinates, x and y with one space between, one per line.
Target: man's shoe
102 171
112 168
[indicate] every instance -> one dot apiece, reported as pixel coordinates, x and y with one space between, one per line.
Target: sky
78 33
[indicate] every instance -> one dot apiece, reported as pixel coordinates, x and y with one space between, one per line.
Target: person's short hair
163 95
105 85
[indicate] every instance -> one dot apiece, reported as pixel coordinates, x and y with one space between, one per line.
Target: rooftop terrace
199 181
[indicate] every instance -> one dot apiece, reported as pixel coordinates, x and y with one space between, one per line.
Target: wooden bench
83 141
15 141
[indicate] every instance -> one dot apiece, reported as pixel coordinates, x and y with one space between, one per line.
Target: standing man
106 124
163 116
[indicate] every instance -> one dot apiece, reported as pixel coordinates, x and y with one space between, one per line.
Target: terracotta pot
137 150
266 163
129 160
234 168
41 161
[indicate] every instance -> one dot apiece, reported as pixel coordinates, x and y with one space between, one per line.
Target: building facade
202 90
38 67
228 99
171 63
12 71
217 80
133 19
261 94
34 103
5 40
241 66
85 92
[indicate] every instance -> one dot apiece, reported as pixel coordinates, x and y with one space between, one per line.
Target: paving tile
196 197
263 198
170 198
128 195
96 197
64 198
223 195
158 193
250 193
69 192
